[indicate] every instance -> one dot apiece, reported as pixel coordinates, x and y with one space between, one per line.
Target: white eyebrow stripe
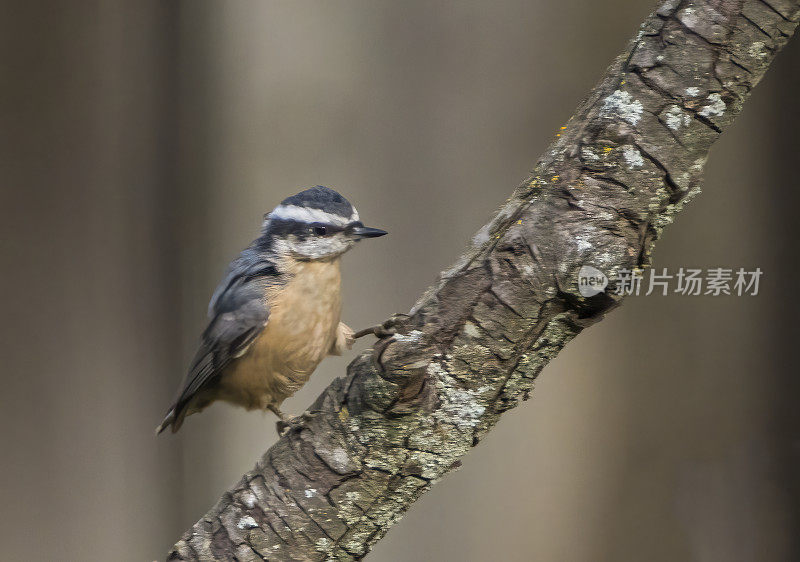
305 214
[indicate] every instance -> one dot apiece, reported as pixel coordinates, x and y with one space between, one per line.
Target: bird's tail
177 414
171 419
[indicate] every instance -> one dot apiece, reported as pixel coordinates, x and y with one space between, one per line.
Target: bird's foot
287 424
386 329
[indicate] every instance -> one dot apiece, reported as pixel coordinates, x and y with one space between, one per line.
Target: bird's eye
320 230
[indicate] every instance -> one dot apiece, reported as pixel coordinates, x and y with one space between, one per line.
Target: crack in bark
784 17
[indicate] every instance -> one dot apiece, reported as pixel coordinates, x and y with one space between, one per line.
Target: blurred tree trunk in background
89 283
143 141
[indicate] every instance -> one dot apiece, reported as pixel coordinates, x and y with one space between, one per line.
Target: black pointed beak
367 232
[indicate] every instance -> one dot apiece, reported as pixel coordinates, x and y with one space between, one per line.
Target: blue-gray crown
315 205
321 198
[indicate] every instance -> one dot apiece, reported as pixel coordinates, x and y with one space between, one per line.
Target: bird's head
315 224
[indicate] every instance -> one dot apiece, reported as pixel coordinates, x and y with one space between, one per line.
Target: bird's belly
301 328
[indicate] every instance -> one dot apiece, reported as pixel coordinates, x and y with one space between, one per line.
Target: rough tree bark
411 407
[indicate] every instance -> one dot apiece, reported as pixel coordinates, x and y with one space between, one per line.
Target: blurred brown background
141 143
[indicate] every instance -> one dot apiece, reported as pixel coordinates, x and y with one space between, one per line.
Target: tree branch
410 408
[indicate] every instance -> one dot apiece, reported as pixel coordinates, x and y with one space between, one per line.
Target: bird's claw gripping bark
290 423
385 329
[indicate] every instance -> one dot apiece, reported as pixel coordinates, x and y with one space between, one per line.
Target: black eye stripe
301 229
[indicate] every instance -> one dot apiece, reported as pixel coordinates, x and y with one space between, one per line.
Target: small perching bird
275 315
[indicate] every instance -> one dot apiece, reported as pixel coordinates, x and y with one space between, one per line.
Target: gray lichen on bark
411 407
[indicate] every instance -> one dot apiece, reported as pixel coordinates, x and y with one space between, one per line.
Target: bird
276 313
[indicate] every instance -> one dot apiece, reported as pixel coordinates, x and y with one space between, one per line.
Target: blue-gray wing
238 312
